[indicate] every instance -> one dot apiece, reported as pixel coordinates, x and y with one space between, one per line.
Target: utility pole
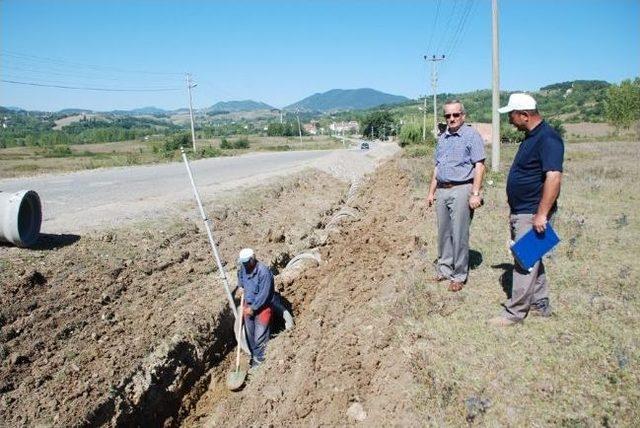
434 87
191 85
495 95
424 119
299 128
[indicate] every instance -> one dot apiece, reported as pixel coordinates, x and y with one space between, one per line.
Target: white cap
519 101
245 255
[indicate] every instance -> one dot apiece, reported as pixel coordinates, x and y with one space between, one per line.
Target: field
129 326
25 161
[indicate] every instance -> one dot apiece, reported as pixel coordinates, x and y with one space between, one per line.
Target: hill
346 99
237 106
573 101
139 111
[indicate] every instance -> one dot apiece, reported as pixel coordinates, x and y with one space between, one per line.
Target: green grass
577 368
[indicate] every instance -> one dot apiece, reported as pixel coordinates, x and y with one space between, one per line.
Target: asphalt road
104 198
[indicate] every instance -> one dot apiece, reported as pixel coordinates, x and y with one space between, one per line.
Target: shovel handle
241 315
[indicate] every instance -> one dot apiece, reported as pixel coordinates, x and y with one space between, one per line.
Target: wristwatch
475 193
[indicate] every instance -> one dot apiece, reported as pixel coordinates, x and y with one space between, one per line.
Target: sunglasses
449 115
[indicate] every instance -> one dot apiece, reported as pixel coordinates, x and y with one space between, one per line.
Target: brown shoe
455 286
501 322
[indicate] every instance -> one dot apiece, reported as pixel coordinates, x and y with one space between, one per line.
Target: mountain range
330 101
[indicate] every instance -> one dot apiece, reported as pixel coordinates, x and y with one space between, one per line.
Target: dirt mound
344 361
115 328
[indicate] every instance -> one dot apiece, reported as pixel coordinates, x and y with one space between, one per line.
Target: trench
165 389
159 391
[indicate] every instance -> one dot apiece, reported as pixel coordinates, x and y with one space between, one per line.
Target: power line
76 64
29 70
460 29
86 88
446 34
433 28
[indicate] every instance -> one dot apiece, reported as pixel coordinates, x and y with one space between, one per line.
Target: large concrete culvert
20 217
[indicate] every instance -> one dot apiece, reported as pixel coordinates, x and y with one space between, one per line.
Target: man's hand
247 311
430 198
539 223
475 201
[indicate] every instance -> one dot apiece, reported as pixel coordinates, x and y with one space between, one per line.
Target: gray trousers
454 219
528 286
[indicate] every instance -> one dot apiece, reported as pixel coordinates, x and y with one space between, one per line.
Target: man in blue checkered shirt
455 190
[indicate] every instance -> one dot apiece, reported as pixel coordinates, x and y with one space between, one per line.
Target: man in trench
256 281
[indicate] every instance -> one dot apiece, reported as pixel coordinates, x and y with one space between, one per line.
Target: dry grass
578 368
588 131
26 161
280 143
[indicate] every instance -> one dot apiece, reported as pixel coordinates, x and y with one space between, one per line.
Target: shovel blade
235 380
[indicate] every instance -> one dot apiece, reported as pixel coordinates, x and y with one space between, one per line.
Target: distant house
351 126
310 128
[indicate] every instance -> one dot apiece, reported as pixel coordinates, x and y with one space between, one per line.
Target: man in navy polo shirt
455 188
533 187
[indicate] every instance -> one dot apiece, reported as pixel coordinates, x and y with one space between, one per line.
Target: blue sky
279 52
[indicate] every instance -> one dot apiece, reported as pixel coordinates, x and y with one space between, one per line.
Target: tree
377 124
623 103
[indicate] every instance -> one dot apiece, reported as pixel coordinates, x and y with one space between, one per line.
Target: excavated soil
131 326
345 361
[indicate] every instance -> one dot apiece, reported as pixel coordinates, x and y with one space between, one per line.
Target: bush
59 151
411 133
241 143
176 141
509 134
210 152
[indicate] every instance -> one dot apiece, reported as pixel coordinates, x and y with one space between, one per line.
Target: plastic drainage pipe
20 217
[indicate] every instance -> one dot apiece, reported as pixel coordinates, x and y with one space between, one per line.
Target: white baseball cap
519 101
245 255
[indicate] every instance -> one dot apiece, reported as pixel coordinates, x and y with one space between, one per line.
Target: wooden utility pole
434 88
191 85
299 127
495 96
424 119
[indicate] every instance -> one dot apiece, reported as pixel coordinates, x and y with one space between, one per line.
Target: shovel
236 378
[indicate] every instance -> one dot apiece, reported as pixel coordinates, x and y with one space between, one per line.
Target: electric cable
85 88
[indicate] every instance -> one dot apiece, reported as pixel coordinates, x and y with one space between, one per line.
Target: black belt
450 184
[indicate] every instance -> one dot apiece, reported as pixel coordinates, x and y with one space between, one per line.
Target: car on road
364 145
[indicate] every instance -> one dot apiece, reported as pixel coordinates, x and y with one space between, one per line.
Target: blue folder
532 246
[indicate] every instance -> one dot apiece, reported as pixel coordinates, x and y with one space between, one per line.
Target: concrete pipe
20 217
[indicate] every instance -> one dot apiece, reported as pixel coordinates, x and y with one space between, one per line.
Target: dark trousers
257 328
